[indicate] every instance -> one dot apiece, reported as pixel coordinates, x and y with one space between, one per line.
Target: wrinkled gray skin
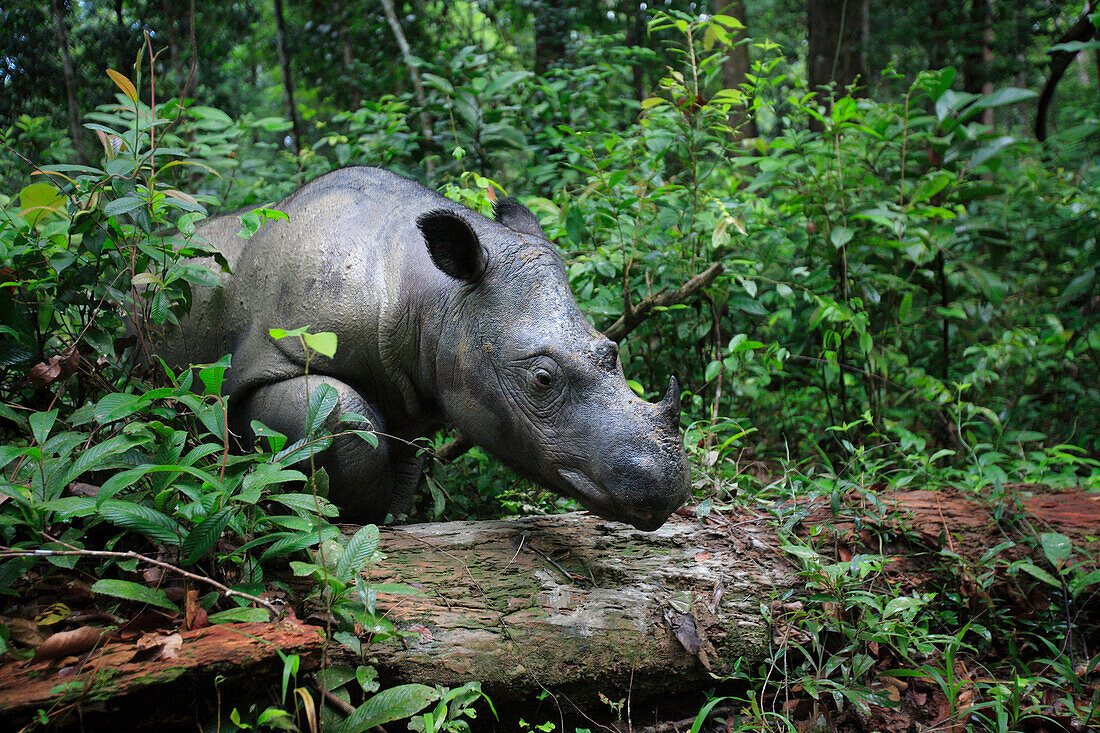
441 315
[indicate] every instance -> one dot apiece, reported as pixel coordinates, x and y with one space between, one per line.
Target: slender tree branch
1082 30
618 330
414 74
9 552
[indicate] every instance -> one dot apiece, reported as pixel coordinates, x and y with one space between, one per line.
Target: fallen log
186 673
578 605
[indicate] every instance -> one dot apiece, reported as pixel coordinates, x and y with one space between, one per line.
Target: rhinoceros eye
542 372
543 378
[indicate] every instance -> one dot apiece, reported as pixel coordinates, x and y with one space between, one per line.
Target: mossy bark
575 604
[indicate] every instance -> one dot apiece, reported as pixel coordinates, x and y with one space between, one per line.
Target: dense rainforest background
862 234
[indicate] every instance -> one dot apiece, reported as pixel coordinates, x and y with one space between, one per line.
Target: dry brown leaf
67 643
26 631
194 616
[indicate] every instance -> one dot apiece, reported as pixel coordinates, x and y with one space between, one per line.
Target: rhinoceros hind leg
362 477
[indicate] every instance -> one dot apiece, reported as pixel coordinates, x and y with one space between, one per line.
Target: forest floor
87 660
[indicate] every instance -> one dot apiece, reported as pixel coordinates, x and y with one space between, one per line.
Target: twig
8 552
629 321
452 449
332 699
672 726
568 575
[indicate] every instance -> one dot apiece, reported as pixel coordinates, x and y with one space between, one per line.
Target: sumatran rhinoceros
441 316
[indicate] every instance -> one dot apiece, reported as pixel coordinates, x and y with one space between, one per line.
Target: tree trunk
1082 30
414 75
635 38
836 54
172 32
551 27
577 604
288 80
70 81
735 69
352 88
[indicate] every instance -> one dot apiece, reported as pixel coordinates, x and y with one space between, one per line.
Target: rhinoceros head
520 371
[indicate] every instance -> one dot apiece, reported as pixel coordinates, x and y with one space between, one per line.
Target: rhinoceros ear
517 217
453 245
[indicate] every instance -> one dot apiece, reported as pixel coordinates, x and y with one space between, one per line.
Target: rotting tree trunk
577 605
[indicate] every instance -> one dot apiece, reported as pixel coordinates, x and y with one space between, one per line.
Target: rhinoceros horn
670 405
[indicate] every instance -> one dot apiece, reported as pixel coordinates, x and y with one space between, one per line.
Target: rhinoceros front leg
365 481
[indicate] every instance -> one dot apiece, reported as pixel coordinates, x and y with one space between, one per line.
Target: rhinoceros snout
647 483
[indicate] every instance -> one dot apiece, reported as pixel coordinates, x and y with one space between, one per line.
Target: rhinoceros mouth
598 500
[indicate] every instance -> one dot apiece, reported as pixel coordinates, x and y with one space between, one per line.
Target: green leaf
1075 46
359 550
92 458
9 453
213 376
1057 547
287 545
280 333
1001 97
122 205
840 236
204 534
1039 573
41 425
388 705
905 307
40 199
323 399
134 592
116 406
143 519
323 343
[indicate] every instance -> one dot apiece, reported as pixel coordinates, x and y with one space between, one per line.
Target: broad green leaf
1001 97
92 458
41 425
143 519
1037 572
1075 46
323 399
287 545
40 199
134 592
1057 547
9 453
323 343
213 376
388 705
840 236
359 550
122 205
203 535
116 406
